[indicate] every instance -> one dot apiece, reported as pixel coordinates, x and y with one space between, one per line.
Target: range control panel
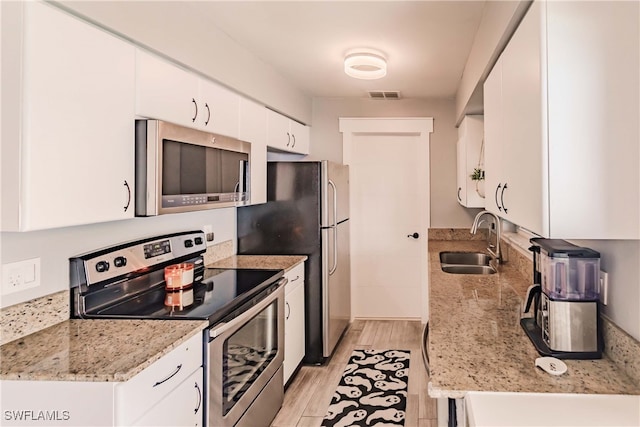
130 257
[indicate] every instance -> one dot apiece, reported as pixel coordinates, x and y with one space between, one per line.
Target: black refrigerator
307 213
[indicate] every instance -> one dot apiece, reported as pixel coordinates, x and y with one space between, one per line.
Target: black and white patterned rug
372 390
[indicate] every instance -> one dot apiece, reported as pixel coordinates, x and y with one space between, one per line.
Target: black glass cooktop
219 293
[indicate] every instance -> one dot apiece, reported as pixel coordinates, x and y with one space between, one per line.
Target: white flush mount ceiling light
365 64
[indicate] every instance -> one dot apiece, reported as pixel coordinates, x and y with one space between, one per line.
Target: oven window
247 353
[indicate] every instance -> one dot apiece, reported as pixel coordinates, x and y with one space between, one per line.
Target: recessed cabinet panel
219 109
76 155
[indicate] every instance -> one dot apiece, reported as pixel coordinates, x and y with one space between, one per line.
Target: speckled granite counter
476 342
266 262
93 350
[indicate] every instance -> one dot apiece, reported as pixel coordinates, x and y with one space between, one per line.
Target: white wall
326 144
54 247
621 260
170 29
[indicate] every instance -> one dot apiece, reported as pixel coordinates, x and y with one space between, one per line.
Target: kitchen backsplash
620 347
26 318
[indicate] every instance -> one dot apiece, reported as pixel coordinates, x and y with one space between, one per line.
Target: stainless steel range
244 344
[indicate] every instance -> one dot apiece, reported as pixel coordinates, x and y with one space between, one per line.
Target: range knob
102 266
198 240
120 261
188 243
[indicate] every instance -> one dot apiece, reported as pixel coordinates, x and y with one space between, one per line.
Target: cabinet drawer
137 395
295 277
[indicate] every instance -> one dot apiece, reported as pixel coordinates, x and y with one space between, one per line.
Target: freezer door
336 284
335 193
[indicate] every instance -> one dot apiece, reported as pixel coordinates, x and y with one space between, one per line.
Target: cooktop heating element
127 281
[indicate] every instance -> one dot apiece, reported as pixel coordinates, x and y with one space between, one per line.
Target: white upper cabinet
167 92
470 193
68 110
253 129
284 134
561 122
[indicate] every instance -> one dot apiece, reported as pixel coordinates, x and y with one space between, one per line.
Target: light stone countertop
93 350
262 262
476 341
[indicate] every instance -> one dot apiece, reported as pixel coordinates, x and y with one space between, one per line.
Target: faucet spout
474 229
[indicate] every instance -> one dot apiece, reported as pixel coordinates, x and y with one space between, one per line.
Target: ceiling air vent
384 94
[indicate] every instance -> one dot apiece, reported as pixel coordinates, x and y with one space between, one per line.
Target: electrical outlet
208 232
604 287
21 275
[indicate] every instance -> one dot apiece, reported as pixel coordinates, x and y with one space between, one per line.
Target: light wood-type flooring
307 398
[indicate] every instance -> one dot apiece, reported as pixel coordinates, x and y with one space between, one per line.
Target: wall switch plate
21 275
604 287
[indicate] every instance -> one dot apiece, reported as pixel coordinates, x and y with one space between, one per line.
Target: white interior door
389 196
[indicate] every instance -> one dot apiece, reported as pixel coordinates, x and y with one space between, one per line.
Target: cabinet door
523 142
300 135
181 407
219 109
278 134
294 336
165 91
253 129
493 117
145 390
77 147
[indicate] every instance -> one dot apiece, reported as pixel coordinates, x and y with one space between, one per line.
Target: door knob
414 235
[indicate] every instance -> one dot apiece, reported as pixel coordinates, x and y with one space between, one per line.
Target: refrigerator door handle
335 228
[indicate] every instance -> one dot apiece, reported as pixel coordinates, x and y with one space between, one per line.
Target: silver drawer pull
170 376
195 411
297 277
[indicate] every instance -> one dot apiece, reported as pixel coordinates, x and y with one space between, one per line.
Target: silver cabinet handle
288 311
496 197
195 411
170 376
195 114
126 184
294 140
206 122
502 197
288 139
459 190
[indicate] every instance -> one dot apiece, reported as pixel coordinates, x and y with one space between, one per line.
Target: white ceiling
426 42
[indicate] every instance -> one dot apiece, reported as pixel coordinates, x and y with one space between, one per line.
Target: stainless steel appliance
244 345
566 299
307 213
180 169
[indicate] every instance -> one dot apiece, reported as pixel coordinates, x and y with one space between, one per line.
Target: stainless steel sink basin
468 269
466 263
464 258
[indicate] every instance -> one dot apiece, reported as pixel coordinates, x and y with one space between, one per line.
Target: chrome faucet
474 228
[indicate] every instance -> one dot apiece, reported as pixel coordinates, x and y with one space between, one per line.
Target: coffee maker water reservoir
566 322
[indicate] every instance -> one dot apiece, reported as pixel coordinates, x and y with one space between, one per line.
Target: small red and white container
179 285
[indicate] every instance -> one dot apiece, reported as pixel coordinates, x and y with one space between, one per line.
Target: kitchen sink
466 263
468 269
464 258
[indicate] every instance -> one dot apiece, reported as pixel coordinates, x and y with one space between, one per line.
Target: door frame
421 127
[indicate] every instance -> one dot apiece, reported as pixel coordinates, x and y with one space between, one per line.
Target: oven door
245 356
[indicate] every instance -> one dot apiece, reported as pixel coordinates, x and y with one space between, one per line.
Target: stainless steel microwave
180 169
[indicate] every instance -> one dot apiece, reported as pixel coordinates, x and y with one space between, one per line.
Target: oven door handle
223 327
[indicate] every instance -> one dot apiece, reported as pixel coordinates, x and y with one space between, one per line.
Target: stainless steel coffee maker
566 298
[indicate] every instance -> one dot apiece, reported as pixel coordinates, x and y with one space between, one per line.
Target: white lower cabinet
181 407
138 401
294 336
